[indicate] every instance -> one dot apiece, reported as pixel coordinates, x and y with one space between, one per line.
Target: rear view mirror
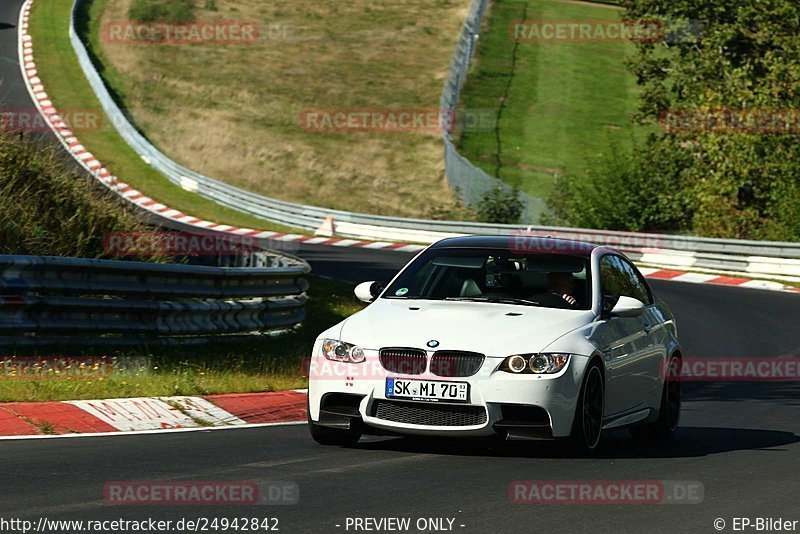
368 291
559 264
627 307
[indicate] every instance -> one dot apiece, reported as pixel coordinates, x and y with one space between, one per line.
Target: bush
46 209
641 190
500 205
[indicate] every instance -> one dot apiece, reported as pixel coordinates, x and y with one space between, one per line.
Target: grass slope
561 103
45 209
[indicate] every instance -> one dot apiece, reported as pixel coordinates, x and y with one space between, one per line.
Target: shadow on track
688 442
787 393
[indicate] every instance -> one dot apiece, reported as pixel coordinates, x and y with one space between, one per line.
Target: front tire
332 436
588 424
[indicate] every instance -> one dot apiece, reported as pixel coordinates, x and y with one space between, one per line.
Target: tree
723 84
728 94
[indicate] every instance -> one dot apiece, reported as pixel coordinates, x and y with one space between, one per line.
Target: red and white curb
88 161
148 414
715 279
71 143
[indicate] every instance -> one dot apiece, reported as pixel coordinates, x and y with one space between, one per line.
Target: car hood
489 328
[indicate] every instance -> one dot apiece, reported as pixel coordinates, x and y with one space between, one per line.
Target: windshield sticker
402 291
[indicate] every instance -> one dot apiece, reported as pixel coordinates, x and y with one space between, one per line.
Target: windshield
501 276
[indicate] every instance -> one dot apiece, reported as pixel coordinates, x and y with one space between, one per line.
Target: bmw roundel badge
433 343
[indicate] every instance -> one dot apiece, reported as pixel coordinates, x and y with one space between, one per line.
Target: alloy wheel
593 408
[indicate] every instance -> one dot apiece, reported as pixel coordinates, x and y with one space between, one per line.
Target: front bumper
516 406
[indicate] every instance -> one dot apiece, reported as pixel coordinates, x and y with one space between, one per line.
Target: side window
637 286
613 281
619 278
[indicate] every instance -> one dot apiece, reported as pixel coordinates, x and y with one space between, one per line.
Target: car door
655 343
623 341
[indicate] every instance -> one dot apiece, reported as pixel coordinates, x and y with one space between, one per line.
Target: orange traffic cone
326 228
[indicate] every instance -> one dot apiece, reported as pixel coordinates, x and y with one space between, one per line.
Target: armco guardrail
764 258
111 300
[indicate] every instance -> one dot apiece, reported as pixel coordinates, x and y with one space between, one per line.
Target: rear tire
670 411
587 426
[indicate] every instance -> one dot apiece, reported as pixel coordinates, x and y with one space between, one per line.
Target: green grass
68 89
561 104
267 363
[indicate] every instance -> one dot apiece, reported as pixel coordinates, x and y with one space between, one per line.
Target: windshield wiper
499 300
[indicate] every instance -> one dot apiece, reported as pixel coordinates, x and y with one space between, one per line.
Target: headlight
540 364
339 351
517 364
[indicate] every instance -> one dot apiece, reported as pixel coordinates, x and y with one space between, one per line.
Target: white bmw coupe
519 337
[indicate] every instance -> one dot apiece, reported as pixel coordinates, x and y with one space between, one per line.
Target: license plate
427 390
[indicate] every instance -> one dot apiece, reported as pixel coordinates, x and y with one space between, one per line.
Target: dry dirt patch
233 111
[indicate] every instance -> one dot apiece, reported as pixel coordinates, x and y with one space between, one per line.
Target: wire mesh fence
467 180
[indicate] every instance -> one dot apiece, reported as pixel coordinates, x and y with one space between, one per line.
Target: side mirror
628 307
368 291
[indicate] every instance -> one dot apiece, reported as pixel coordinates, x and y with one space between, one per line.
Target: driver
562 286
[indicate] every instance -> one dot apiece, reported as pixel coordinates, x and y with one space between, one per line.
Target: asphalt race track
13 94
739 439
